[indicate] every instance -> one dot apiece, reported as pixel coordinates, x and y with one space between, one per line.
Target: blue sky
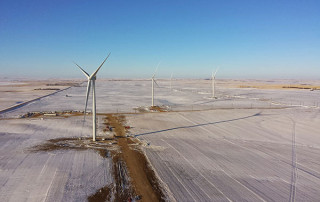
246 39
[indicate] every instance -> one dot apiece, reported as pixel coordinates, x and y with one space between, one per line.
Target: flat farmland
234 155
256 141
62 175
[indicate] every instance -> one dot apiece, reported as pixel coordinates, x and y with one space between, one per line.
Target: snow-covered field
124 96
65 175
235 154
248 144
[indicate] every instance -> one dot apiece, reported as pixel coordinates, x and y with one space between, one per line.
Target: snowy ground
16 92
235 154
65 175
238 147
124 96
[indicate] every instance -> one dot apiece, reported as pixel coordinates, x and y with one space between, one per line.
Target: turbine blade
84 72
156 70
156 83
216 72
88 91
94 74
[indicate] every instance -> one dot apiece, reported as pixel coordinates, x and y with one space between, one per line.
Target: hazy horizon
12 78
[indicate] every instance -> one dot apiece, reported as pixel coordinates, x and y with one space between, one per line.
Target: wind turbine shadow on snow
201 124
91 83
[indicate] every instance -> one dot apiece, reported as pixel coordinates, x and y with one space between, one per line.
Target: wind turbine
171 81
91 82
213 77
152 86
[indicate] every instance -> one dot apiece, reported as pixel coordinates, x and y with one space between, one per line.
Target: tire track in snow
199 173
256 194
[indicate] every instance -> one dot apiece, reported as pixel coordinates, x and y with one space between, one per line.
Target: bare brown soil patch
64 114
76 143
280 86
157 108
143 178
102 194
310 87
152 109
117 123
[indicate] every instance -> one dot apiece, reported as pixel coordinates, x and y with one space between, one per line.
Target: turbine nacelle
90 78
214 74
93 75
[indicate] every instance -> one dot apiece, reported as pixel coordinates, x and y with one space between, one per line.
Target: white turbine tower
171 81
152 85
213 77
91 82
